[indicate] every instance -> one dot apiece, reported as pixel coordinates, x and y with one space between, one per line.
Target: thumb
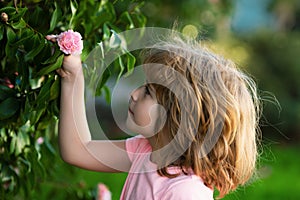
61 72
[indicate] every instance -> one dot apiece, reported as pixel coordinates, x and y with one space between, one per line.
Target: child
203 138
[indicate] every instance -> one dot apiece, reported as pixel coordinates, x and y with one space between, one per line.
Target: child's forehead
152 70
152 77
152 89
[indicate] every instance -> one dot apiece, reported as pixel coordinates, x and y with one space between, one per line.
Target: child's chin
147 131
131 126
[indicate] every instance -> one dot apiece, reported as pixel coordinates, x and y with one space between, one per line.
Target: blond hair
224 114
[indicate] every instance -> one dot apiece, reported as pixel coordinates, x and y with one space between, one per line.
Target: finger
61 72
51 38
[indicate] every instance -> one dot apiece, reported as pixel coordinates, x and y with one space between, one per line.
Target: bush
29 87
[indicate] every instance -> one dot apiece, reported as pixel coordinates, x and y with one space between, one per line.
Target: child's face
142 111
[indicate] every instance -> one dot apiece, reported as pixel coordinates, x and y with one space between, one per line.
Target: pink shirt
144 183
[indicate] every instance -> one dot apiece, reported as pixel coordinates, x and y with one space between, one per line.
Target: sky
251 15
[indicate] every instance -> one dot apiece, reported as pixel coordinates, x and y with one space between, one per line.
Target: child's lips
130 111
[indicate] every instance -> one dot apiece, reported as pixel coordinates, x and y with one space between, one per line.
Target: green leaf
1 32
20 24
53 58
13 142
44 94
142 20
51 67
126 17
107 94
3 136
37 17
106 32
54 107
8 10
74 7
22 138
36 115
6 92
104 78
11 35
105 12
26 35
54 90
109 13
26 112
88 28
18 15
49 146
8 108
122 67
10 51
26 162
55 16
24 74
130 63
37 48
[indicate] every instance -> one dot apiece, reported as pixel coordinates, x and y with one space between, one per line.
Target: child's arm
75 142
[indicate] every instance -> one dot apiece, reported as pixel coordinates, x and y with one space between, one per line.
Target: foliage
269 53
276 68
210 17
29 88
280 168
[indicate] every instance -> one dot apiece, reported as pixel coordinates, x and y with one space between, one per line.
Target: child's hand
71 65
71 44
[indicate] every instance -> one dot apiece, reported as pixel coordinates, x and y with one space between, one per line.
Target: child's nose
135 94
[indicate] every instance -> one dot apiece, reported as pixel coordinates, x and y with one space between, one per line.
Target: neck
155 157
153 142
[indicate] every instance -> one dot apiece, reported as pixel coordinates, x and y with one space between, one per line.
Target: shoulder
188 188
137 144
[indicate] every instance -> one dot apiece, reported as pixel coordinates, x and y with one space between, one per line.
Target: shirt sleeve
135 145
190 190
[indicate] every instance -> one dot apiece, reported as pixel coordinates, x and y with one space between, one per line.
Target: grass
279 179
279 176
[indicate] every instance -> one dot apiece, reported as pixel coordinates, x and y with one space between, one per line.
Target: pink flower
6 81
40 140
70 42
103 192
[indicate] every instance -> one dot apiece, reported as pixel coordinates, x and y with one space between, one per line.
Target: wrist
70 76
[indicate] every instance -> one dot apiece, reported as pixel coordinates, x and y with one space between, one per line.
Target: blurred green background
263 38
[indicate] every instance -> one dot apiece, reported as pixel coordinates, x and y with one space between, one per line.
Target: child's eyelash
147 91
